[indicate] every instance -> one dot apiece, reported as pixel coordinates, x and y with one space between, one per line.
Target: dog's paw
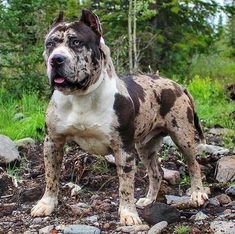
199 198
129 218
44 207
142 202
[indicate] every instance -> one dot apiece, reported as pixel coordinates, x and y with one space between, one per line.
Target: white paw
199 198
142 202
44 207
129 218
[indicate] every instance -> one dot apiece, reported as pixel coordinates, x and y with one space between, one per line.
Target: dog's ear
58 19
92 21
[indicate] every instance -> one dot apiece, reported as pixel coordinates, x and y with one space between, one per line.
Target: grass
213 106
32 125
183 229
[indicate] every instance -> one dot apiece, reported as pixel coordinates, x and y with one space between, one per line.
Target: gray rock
37 220
230 190
46 229
168 141
172 176
157 228
18 116
225 169
8 150
211 149
157 212
222 227
214 202
92 219
25 143
81 229
133 229
199 216
221 131
179 202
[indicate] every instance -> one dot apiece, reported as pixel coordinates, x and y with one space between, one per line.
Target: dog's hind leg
53 155
184 138
148 155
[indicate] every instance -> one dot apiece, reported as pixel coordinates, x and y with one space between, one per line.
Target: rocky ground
89 188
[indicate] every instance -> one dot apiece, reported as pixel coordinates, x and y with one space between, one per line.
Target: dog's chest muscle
87 120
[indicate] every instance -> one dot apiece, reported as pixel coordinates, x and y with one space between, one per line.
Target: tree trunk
134 39
130 36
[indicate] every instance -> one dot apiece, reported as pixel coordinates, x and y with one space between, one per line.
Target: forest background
192 42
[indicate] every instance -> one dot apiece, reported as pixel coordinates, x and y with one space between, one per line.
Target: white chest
87 119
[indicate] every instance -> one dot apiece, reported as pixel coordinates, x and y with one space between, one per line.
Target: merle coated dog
105 114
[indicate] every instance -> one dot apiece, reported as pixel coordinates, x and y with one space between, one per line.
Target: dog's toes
199 198
42 209
130 218
142 202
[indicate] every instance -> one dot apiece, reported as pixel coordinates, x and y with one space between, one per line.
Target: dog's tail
197 122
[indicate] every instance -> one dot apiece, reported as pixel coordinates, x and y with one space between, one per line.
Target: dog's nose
57 60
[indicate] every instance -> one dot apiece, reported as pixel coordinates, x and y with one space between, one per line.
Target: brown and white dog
107 114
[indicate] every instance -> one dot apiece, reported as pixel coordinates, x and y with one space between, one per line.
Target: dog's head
73 54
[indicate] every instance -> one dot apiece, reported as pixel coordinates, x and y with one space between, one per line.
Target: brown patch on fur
190 115
168 98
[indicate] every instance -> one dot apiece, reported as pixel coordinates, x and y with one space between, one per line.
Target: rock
75 189
157 212
219 227
179 202
81 229
80 209
133 228
8 150
213 202
221 131
25 143
31 194
211 149
92 219
223 199
199 216
157 228
168 141
172 176
46 230
110 158
225 169
18 116
230 190
37 220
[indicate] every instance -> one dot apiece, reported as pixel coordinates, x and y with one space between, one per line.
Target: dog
104 114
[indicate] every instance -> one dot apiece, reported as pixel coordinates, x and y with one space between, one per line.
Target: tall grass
213 106
33 108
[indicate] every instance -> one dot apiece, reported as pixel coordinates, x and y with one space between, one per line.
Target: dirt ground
99 184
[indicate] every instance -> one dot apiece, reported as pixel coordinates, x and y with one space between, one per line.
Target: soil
99 184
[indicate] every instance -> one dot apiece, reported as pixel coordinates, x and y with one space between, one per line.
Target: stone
179 202
110 158
157 212
221 131
221 227
230 190
213 202
172 176
133 228
92 219
81 229
225 169
37 220
75 189
8 150
211 149
223 199
199 216
168 141
18 116
25 143
158 228
80 209
46 230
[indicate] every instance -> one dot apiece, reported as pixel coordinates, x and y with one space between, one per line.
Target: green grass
33 109
182 229
213 106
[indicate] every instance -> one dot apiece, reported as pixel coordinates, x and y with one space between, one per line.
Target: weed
183 229
101 165
185 181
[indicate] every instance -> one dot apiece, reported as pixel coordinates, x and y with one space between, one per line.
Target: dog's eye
49 44
76 43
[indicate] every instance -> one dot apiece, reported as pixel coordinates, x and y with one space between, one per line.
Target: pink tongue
59 80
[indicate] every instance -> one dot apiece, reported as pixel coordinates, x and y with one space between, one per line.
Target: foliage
213 106
183 229
31 126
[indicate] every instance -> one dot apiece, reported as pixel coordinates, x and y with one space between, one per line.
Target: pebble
133 228
199 216
157 228
37 220
46 229
75 189
230 190
213 202
172 176
81 229
219 227
93 218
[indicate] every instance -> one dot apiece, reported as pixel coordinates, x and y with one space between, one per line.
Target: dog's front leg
53 156
126 171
